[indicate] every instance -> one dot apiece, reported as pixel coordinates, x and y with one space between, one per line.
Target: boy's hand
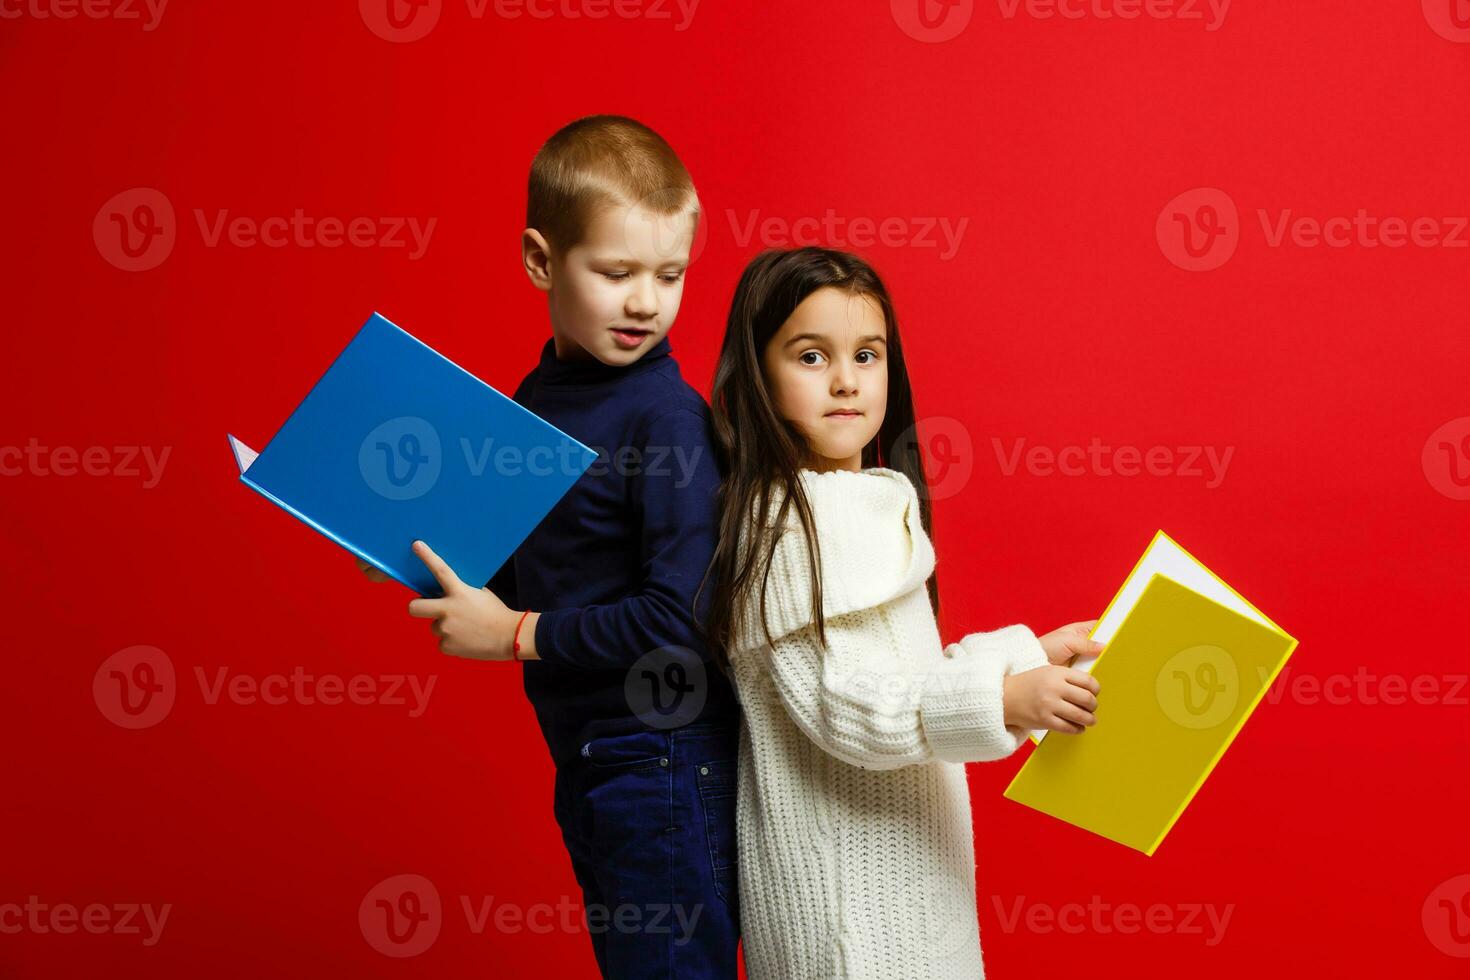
1058 699
469 622
373 572
1063 645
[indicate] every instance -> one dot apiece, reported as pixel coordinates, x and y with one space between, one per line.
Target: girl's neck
823 464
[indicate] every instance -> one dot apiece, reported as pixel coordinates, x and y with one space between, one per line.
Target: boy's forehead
617 231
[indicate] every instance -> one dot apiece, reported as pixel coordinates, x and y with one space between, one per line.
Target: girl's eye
874 355
806 354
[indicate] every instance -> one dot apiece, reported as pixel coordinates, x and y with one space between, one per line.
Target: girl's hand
1064 645
373 572
1058 699
469 622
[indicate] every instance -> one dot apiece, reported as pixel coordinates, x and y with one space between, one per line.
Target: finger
1065 727
422 608
1083 679
1074 714
1084 647
441 571
437 628
1085 700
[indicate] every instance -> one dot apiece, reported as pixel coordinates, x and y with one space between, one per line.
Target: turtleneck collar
591 371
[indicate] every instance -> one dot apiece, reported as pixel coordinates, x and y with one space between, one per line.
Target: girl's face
828 371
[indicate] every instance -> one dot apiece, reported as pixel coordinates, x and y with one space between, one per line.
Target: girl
856 857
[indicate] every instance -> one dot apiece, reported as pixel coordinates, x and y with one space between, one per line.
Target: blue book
395 443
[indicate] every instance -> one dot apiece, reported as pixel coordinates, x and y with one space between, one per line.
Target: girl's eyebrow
822 338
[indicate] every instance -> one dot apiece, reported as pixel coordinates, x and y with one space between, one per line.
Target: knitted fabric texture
856 855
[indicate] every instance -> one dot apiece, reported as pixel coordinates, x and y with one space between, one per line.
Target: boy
599 600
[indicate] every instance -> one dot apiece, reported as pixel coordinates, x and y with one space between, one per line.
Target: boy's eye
672 277
615 276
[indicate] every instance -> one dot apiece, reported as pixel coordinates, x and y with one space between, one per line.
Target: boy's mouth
629 337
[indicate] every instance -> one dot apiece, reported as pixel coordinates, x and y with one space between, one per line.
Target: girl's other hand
1064 645
1058 699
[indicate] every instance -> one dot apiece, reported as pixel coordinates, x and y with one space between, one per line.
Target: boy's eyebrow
823 337
613 259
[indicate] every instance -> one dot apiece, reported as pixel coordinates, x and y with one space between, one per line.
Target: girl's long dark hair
759 450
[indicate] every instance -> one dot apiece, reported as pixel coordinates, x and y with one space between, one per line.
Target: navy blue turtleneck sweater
613 568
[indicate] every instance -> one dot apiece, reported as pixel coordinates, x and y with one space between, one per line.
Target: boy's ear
536 257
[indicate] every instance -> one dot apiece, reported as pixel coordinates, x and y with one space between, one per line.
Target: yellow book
1186 661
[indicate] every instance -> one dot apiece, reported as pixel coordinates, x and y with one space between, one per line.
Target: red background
1060 319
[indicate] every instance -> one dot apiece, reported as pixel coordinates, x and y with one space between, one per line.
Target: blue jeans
649 822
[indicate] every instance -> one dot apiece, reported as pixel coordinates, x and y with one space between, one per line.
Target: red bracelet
515 651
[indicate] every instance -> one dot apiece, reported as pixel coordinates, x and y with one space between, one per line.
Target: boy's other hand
373 572
469 622
1058 699
1064 645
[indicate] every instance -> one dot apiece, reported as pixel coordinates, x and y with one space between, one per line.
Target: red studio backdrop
1229 238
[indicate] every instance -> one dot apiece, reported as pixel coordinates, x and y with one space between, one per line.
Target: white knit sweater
856 856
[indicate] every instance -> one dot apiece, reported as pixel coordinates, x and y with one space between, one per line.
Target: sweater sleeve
674 493
869 707
503 583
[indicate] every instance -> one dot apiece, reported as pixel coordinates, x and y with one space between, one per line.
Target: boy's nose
642 300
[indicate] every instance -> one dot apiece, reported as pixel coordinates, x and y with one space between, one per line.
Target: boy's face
828 371
614 295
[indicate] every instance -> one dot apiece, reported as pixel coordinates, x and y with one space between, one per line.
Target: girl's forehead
837 312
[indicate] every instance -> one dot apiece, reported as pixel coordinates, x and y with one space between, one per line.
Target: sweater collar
590 371
873 545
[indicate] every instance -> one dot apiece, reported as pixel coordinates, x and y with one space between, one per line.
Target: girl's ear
536 257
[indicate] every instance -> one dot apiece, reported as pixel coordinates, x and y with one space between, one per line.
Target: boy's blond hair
599 161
